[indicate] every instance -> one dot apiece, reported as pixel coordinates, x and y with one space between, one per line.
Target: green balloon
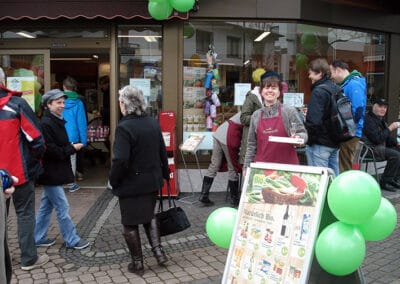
301 61
354 197
182 5
308 41
382 224
340 249
159 9
220 224
188 30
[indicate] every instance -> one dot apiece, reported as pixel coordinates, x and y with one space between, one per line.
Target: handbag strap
171 201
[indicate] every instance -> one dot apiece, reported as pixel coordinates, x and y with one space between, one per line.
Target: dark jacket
57 158
140 158
376 131
318 113
21 144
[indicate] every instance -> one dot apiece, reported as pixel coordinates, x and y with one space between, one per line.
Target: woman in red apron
273 119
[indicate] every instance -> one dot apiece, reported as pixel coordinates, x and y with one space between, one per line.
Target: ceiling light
26 34
95 56
246 62
262 36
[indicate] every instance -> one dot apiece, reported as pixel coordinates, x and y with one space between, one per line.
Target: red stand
168 127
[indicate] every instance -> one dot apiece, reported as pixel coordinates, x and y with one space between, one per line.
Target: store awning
72 9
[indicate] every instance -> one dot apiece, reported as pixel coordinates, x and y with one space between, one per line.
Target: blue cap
270 74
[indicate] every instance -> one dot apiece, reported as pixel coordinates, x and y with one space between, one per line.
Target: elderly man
376 134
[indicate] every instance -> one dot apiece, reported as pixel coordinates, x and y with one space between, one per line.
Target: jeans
322 156
54 197
24 204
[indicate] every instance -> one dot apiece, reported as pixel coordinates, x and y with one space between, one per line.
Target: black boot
153 235
387 183
132 239
205 191
234 190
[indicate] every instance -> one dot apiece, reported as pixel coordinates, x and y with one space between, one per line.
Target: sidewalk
193 258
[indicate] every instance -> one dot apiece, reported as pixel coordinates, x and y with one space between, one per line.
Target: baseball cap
52 95
270 74
381 101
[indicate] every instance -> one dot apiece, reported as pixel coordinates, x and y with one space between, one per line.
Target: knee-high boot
205 191
132 239
153 235
234 190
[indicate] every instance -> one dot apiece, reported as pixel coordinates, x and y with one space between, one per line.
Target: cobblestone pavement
193 258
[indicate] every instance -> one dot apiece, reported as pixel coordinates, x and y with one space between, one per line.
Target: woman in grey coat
138 170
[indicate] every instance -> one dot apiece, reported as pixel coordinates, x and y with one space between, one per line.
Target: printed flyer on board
277 225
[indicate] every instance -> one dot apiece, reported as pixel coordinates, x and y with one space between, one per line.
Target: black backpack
342 126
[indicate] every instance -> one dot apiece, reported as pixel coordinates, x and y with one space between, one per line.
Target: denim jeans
54 197
24 204
322 156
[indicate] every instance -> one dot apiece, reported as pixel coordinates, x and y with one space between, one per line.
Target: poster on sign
277 224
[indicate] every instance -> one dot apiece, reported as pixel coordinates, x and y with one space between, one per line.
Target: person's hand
77 146
394 125
9 191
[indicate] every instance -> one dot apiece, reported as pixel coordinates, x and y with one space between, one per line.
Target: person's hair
70 84
340 64
320 65
104 79
2 75
133 100
271 81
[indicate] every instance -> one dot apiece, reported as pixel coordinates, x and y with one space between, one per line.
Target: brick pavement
193 258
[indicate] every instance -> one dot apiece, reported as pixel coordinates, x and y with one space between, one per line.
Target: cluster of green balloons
308 41
162 9
354 198
301 61
220 224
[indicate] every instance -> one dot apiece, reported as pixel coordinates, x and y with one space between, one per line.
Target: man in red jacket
21 149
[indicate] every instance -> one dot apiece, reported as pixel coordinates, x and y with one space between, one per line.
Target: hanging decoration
182 5
212 90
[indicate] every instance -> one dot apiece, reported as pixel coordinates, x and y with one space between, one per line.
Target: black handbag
172 220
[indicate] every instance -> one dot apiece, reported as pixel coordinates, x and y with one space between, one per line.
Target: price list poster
277 224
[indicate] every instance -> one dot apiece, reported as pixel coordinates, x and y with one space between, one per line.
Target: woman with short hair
138 168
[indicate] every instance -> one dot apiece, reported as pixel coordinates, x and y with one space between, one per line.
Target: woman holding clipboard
277 120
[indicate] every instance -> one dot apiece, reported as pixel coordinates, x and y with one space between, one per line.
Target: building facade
42 42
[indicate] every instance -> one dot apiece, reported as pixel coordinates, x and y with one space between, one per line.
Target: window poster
143 85
277 224
241 89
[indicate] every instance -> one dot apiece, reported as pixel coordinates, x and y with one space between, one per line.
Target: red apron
274 152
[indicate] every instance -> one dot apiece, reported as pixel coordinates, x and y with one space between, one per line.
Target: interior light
262 36
150 38
246 62
95 56
26 34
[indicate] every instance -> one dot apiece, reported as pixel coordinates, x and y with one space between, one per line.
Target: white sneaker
42 260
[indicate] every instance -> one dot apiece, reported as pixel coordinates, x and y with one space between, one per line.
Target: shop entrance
91 69
36 71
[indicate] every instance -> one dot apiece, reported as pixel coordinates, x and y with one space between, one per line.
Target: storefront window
242 48
25 73
140 51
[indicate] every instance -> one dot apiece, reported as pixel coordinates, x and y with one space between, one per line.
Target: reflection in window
140 55
244 47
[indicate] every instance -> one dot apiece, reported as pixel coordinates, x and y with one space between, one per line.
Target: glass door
27 71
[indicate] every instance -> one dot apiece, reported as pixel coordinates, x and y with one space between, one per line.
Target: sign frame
247 265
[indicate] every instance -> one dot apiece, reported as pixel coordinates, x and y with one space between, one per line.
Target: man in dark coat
376 134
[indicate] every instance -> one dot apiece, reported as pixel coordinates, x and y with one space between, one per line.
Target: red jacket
21 142
234 139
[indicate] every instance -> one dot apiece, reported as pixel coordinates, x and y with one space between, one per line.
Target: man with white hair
21 149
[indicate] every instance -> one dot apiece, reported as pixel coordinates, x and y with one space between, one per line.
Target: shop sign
277 224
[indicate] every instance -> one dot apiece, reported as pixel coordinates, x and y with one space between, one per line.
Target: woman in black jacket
138 168
57 171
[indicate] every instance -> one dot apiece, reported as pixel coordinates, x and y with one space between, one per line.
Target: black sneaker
81 244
